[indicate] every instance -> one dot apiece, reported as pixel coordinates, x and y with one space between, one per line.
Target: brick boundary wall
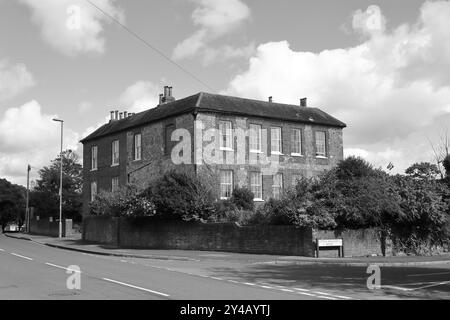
43 227
226 237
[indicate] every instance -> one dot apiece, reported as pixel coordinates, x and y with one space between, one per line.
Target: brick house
264 145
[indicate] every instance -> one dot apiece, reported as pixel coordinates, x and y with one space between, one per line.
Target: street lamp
60 178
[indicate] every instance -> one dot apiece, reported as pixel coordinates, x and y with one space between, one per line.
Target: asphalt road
32 271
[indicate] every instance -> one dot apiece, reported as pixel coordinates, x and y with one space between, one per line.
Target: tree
423 170
441 152
45 196
353 167
12 203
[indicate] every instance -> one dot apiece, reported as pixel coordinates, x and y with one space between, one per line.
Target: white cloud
369 22
391 90
73 26
140 96
29 136
14 79
214 19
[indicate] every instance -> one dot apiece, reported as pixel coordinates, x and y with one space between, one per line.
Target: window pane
93 190
256 184
296 141
226 183
320 143
168 136
94 158
137 146
255 137
226 135
115 152
275 139
115 184
277 186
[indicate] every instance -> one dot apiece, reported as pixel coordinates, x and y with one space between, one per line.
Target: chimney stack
304 102
167 96
116 113
112 116
125 114
270 99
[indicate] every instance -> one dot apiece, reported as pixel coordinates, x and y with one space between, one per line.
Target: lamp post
60 178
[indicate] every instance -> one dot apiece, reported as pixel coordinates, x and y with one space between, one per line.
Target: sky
382 67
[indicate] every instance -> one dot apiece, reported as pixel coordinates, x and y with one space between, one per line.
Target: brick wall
45 227
227 237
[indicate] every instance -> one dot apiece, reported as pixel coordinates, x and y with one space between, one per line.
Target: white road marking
249 284
300 289
136 287
2 250
331 295
287 290
427 274
325 297
20 256
61 267
215 278
432 284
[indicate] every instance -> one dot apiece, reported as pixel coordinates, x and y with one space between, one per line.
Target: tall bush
181 195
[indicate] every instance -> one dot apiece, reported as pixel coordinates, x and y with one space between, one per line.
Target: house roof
206 102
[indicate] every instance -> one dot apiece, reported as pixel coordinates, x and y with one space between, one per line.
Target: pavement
37 269
75 243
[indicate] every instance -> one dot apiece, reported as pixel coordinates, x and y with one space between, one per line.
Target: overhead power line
158 51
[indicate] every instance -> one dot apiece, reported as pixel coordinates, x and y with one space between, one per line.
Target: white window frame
276 140
115 144
319 153
255 140
226 131
277 184
115 184
296 133
137 147
93 190
226 184
256 185
94 158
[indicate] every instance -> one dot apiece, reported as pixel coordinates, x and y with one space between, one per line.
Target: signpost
330 244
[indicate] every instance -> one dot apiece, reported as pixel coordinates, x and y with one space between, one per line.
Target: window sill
258 200
225 198
136 160
115 165
276 153
296 155
256 151
226 149
321 157
93 170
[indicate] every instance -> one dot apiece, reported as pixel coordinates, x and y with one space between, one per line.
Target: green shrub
243 198
125 202
181 195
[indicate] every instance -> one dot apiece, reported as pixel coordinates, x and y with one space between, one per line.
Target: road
33 271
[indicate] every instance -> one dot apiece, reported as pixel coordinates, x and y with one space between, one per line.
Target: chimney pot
116 115
304 102
125 114
270 99
161 98
112 115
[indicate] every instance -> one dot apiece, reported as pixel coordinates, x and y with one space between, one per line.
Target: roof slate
206 102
